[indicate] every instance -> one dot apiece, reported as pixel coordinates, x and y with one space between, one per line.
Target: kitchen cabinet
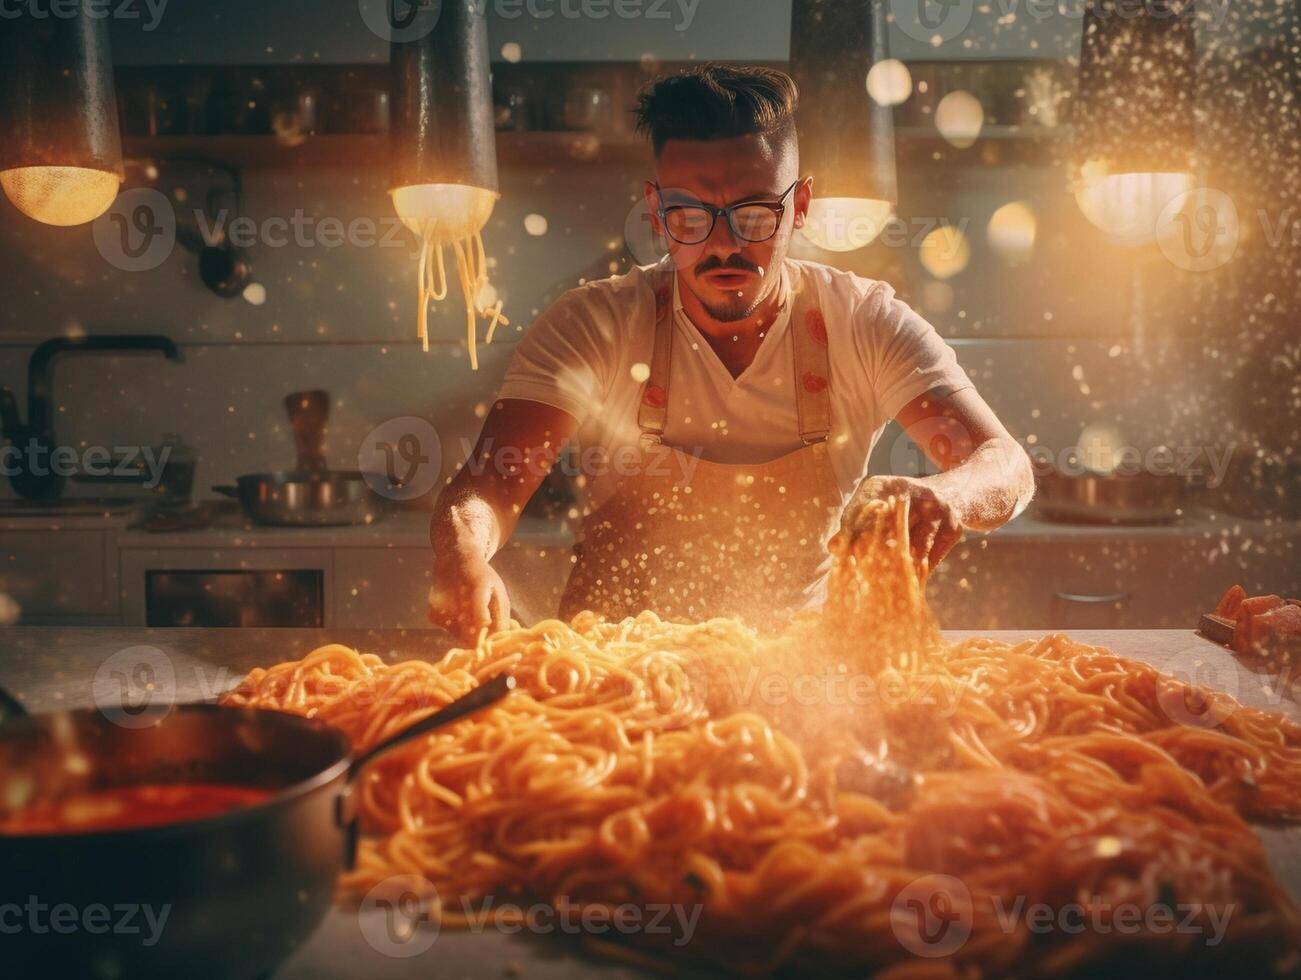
1034 575
60 575
383 588
388 588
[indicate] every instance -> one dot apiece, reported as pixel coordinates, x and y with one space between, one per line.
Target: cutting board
1216 628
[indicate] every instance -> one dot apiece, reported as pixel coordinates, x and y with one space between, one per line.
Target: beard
732 310
734 306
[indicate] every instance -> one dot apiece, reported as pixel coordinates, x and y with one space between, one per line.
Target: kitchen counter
229 528
1194 521
52 668
399 529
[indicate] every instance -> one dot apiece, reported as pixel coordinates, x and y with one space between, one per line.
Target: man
725 400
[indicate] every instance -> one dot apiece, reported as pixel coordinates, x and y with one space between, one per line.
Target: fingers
948 535
462 611
933 531
921 540
924 518
497 607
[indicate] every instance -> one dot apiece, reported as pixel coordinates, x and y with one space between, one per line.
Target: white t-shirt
588 354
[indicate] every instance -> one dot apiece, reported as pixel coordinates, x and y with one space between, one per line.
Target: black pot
239 891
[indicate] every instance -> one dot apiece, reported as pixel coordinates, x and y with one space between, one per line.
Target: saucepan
222 897
305 497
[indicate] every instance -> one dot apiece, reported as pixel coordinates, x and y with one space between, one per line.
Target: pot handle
10 706
488 693
226 490
345 813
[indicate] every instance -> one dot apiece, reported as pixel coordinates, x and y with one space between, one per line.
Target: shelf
360 151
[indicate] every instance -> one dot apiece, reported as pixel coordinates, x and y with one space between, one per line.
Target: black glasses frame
778 208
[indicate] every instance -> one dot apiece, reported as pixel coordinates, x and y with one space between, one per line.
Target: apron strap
808 329
812 362
653 410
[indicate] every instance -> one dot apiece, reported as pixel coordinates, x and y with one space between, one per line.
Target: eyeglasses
751 221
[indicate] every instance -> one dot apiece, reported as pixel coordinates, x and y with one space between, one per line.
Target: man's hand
934 525
467 596
478 510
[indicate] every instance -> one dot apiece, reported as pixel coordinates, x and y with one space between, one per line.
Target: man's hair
711 102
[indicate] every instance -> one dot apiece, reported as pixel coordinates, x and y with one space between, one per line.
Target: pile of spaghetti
853 795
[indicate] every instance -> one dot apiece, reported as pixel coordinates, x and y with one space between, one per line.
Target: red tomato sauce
129 807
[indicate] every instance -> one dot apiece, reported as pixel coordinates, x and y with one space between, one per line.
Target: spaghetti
472 271
649 762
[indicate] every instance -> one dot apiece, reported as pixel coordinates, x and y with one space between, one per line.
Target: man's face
728 275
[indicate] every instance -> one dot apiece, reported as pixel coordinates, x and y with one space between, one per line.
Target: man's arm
986 478
478 510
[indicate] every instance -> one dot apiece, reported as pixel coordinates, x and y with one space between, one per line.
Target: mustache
736 261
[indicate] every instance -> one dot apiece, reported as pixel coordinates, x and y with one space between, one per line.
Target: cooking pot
227 897
305 497
1118 498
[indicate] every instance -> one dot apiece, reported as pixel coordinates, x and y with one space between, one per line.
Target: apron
745 540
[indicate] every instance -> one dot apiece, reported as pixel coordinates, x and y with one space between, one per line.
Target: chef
723 403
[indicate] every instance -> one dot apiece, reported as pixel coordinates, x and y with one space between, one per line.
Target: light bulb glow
889 82
1012 230
960 117
1128 206
61 196
444 212
842 224
944 252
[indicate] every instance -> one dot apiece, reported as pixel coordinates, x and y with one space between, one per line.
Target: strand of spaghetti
439 292
468 290
492 324
422 293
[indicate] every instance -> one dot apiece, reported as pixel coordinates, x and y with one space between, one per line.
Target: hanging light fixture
444 152
1133 114
60 150
846 135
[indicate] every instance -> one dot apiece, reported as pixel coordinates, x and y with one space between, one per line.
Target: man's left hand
934 526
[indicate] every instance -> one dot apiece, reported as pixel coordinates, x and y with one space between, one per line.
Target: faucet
36 437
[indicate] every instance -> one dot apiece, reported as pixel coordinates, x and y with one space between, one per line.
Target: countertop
410 529
230 529
49 668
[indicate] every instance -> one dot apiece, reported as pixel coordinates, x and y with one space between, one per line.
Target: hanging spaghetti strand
472 274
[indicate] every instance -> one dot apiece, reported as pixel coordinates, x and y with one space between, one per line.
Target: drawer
1108 581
